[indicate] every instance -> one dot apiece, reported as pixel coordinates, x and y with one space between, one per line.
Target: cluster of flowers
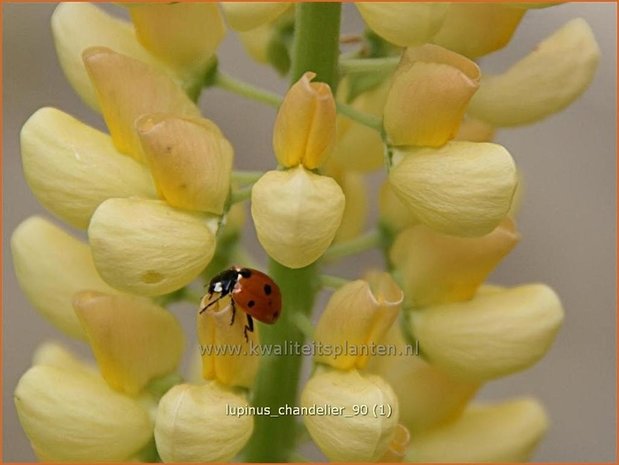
154 196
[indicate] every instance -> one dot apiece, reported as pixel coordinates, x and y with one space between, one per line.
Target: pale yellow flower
436 268
304 131
184 35
215 332
462 188
404 23
63 157
51 266
544 82
428 97
133 340
394 214
345 438
505 432
71 415
296 214
427 396
147 247
492 335
476 29
126 89
190 160
358 314
193 423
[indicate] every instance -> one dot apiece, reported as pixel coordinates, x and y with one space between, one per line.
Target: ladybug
251 290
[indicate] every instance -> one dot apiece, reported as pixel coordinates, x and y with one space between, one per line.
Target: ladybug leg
248 327
210 294
233 311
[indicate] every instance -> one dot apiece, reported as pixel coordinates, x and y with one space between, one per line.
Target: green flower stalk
160 197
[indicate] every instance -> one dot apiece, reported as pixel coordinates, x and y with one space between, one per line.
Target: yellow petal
256 41
71 417
133 340
429 94
356 317
296 214
340 434
72 168
356 207
190 160
474 130
128 88
79 25
54 354
193 424
427 395
493 335
505 432
304 129
463 188
398 445
243 16
544 82
394 214
436 268
226 355
359 147
51 266
476 29
185 35
147 247
404 24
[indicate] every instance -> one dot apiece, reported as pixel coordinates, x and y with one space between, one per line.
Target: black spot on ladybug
251 303
276 314
267 289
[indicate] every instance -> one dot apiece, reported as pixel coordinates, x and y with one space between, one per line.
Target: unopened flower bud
492 335
403 23
462 188
217 332
398 445
497 433
190 160
72 168
436 268
304 131
357 315
193 423
297 214
546 81
70 416
133 340
147 247
428 97
51 266
346 437
127 89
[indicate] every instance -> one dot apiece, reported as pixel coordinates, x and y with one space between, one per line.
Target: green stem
361 243
364 65
332 282
366 119
246 177
315 48
241 194
244 89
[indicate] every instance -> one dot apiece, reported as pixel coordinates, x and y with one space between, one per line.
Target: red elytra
251 290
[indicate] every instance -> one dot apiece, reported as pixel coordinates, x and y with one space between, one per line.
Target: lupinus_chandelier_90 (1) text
162 203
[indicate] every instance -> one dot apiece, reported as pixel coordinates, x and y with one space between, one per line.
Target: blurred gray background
567 219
